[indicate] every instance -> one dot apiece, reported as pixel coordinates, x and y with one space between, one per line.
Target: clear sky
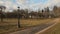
29 4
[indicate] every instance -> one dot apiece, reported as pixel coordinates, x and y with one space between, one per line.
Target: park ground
10 25
53 30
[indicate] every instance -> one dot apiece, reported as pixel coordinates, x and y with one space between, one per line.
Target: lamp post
18 16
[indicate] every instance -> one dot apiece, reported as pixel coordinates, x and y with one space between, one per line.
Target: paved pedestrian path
35 29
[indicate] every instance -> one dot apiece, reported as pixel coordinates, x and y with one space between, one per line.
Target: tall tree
2 8
55 9
26 13
47 12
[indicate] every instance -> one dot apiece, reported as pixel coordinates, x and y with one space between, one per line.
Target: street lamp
18 16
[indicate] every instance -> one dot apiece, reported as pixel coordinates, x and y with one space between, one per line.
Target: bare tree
2 8
26 13
55 8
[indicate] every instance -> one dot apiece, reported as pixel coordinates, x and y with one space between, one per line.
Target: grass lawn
10 25
53 30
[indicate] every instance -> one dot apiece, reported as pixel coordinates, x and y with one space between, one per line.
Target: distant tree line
44 13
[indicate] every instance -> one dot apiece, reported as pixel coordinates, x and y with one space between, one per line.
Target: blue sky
29 4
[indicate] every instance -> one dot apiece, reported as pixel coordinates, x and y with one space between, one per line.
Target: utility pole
18 15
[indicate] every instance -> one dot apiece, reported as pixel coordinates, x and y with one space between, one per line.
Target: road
35 29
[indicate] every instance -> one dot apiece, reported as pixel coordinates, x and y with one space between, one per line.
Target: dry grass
10 25
33 22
